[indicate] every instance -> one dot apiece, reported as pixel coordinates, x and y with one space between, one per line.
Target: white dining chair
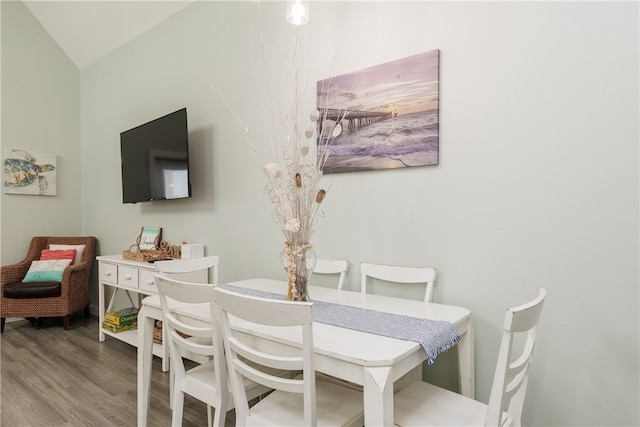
422 404
299 401
180 269
401 275
188 270
328 266
206 382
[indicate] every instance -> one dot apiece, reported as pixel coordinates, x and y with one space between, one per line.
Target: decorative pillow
46 271
79 250
48 254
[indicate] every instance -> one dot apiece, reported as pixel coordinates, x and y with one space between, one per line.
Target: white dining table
373 361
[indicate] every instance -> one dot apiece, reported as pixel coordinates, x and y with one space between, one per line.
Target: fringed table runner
435 336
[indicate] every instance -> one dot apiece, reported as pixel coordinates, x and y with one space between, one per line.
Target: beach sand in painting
337 164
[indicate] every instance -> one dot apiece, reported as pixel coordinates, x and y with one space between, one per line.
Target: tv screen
155 159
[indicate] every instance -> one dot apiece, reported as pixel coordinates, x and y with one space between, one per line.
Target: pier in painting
354 119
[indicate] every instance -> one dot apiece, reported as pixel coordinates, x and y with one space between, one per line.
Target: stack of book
121 320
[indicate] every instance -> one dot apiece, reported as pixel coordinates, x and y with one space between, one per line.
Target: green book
122 317
119 328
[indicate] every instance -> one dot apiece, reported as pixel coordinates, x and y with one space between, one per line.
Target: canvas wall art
29 173
389 115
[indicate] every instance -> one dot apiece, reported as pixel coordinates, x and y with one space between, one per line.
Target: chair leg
178 408
2 320
66 321
220 414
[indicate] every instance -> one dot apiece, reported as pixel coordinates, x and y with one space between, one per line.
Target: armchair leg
66 322
2 320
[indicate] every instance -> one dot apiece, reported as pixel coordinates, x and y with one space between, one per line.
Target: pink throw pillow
48 254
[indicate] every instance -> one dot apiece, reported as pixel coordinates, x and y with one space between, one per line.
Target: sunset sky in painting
404 86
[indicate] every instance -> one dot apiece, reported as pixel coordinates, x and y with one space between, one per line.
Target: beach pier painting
389 114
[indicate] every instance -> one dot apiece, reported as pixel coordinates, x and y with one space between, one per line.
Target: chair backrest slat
512 371
332 266
175 267
399 274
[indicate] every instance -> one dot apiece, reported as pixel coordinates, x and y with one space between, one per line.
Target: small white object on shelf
193 250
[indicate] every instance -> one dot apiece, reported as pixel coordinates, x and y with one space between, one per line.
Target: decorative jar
298 262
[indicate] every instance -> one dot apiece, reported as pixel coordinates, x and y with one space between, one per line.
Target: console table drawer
128 276
108 272
147 281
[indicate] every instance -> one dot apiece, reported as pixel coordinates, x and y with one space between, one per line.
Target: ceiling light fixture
297 12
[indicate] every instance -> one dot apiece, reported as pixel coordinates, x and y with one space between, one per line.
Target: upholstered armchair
47 298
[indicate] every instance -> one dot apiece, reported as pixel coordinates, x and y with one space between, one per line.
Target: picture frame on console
149 238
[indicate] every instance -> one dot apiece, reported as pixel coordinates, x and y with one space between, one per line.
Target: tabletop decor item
134 253
294 187
294 179
300 143
149 238
147 246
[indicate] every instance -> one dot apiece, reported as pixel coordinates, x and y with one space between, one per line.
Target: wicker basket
143 256
157 333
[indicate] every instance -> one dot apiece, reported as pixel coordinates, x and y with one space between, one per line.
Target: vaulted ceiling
89 30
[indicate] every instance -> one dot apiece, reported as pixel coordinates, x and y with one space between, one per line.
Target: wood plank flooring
50 377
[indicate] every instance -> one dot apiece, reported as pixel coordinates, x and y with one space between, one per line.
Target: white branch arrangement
300 146
294 179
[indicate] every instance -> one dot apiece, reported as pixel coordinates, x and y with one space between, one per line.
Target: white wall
537 183
40 114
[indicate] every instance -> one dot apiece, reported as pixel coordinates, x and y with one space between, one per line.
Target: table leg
378 396
145 360
466 362
101 310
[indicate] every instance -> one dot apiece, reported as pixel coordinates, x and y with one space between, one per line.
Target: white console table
137 279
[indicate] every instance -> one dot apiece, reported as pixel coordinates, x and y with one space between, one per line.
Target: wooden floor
52 377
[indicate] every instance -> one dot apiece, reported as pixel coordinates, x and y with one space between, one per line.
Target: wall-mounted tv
155 159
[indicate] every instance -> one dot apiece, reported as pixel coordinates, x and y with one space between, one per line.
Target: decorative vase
298 262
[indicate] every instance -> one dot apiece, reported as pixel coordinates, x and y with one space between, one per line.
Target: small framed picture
149 238
26 172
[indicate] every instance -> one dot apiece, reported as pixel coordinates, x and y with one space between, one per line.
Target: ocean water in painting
401 141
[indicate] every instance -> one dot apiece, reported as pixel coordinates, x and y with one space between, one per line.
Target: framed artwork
389 114
149 238
29 173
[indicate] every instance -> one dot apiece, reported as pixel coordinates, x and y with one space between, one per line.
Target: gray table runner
435 336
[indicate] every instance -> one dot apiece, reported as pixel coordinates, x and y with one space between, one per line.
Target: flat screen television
155 159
